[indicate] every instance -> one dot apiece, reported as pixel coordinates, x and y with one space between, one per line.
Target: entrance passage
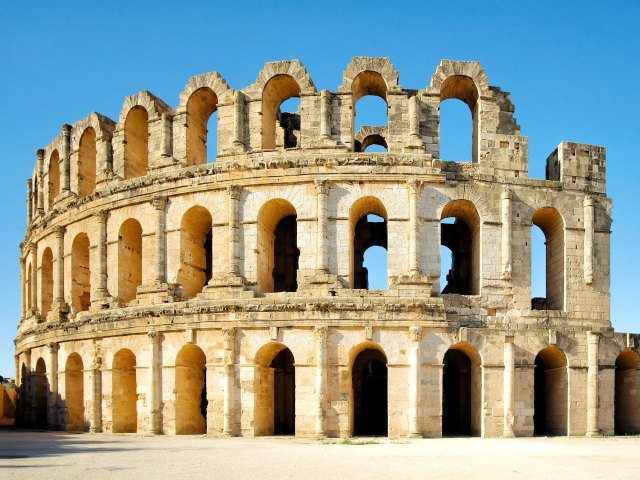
284 393
369 380
191 391
550 392
40 393
627 393
285 255
456 395
123 388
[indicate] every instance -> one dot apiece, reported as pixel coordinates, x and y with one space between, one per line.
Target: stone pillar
229 335
322 250
238 121
415 333
53 386
34 278
40 189
592 384
96 396
588 239
23 279
234 192
325 115
414 119
101 289
155 384
509 386
29 202
59 280
165 139
66 160
414 226
506 234
321 380
160 205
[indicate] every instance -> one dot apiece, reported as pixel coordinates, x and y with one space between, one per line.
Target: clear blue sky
571 68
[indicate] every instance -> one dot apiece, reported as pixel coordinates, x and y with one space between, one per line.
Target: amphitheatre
163 293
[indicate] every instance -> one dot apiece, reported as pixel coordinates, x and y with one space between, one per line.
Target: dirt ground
29 454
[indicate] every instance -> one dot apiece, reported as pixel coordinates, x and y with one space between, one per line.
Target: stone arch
124 392
129 260
136 147
200 106
369 390
550 391
40 386
292 68
277 247
74 393
87 162
195 251
462 391
191 388
368 136
53 176
277 90
80 274
46 283
275 387
463 238
551 222
365 234
381 66
627 393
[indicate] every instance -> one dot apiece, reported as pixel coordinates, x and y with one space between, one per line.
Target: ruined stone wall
137 247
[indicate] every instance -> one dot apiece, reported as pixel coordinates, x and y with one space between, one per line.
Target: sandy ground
53 455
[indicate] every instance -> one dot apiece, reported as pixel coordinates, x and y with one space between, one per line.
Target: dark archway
627 393
285 255
550 385
40 393
369 381
456 394
284 393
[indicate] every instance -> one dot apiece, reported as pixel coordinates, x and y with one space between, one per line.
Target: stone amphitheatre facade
166 294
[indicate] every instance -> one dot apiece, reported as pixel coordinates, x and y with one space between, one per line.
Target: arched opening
369 387
80 274
627 393
129 260
201 146
368 219
136 143
191 391
550 222
46 284
455 138
54 177
275 387
195 251
278 251
124 392
371 143
40 386
461 391
375 261
461 235
550 387
74 393
370 109
280 129
87 154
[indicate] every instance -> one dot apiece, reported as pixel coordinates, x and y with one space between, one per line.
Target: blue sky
570 67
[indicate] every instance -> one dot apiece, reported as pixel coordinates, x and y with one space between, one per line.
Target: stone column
59 280
238 121
413 186
509 392
101 289
66 160
40 189
592 384
234 191
53 386
415 333
29 202
321 380
588 239
23 277
322 250
229 335
34 278
155 384
414 119
165 139
160 205
96 395
506 234
325 115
